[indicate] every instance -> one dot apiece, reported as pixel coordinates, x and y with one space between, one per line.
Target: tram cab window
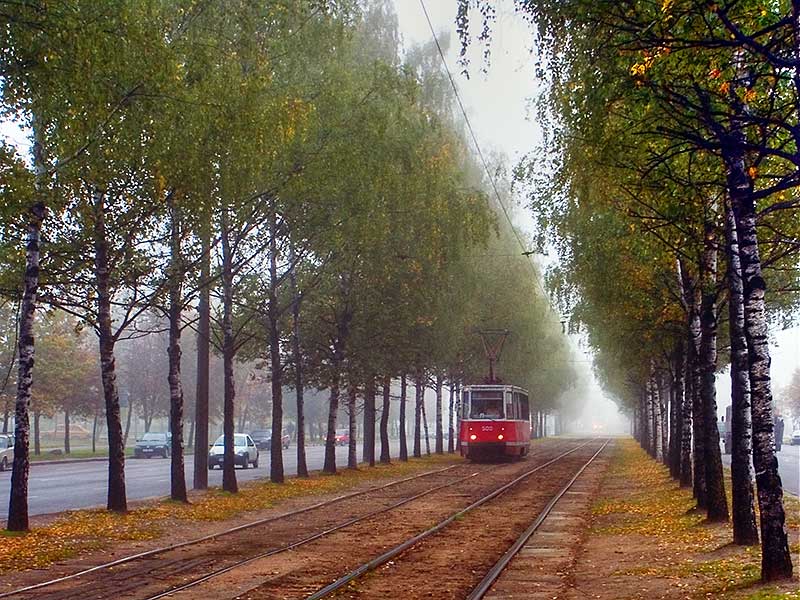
486 405
521 405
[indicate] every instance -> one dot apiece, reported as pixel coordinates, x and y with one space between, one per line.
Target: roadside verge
646 540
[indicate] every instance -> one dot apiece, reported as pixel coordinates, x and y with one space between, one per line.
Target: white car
244 450
795 438
6 451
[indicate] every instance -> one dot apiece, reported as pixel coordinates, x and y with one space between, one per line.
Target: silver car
244 450
6 451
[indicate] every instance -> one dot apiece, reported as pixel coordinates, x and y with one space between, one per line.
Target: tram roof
495 386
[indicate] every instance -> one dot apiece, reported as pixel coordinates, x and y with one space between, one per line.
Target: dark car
153 444
263 439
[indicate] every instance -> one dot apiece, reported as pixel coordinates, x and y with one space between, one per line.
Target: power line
525 250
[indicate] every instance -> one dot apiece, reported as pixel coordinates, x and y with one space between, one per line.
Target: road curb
70 461
67 461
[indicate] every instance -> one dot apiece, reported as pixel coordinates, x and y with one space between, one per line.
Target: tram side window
526 411
511 409
486 405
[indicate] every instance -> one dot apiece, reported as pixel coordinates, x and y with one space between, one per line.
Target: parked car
725 430
153 444
795 438
244 450
263 439
342 437
6 451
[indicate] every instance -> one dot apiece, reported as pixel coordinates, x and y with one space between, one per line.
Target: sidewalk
645 541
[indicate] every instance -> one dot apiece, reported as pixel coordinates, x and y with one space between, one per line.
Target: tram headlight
500 436
473 437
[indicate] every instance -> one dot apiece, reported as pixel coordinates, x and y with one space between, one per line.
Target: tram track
155 576
149 554
367 519
480 590
397 552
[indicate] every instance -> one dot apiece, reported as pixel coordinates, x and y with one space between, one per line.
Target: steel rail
399 549
302 542
192 542
494 573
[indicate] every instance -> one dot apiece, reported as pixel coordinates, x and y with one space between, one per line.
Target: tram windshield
486 404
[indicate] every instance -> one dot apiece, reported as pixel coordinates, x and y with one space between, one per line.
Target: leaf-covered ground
82 531
647 540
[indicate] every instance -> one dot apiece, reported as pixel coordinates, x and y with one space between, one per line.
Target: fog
600 415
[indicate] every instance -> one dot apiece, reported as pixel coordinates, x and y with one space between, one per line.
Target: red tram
495 422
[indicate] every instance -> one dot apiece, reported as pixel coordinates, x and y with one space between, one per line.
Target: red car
342 437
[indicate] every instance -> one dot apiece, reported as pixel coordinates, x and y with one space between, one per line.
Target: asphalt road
58 487
788 466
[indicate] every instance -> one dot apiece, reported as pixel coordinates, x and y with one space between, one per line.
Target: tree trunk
330 441
128 421
201 443
649 422
276 369
459 412
402 424
302 467
686 479
18 501
450 433
698 421
229 483
776 562
745 532
117 497
663 396
177 473
66 432
674 420
438 429
352 457
37 446
716 501
384 427
655 398
418 395
425 425
368 447
94 433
